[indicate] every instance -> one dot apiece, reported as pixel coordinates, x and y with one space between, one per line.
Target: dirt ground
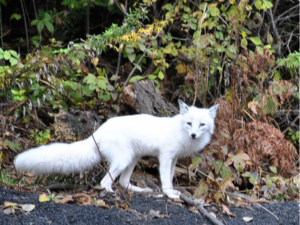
142 210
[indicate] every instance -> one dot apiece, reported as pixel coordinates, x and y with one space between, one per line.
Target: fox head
197 121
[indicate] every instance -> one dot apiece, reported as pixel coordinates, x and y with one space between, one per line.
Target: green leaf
268 4
195 163
219 165
36 44
273 169
152 77
168 6
90 79
15 16
135 78
131 57
161 75
244 42
275 90
129 50
3 2
270 107
142 46
214 12
255 40
13 61
13 53
219 35
34 22
258 4
193 26
116 108
6 55
102 82
40 26
138 66
47 16
49 26
248 7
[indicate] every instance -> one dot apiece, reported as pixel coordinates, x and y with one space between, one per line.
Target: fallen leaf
9 204
253 106
214 215
193 209
157 214
44 198
28 207
83 199
238 160
247 219
7 211
101 203
227 211
64 200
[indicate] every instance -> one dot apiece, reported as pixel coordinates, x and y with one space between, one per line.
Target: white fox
123 141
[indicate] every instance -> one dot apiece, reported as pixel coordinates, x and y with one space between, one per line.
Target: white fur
123 141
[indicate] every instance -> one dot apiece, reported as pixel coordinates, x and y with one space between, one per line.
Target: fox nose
193 135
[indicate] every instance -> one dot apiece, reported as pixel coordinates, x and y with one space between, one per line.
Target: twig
201 209
133 70
266 210
106 167
249 115
25 24
291 123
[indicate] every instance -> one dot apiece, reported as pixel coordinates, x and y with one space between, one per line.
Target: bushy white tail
59 158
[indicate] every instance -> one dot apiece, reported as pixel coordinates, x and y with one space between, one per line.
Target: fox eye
202 124
189 123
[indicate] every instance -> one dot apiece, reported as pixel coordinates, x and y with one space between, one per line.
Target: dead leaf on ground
28 207
7 211
83 199
193 209
247 219
227 211
157 214
239 160
102 204
64 200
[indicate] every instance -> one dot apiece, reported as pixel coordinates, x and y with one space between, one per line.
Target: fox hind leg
116 168
125 179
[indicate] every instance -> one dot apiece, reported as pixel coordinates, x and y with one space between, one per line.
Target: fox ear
183 107
213 111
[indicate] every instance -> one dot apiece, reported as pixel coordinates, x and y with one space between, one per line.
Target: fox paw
177 192
172 193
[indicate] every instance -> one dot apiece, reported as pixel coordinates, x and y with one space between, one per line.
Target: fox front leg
172 176
165 170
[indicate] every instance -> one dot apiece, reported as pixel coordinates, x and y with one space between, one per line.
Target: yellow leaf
181 68
95 61
253 106
213 5
9 204
244 34
44 198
